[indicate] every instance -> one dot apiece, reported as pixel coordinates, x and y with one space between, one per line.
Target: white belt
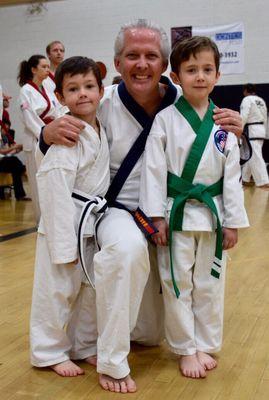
90 204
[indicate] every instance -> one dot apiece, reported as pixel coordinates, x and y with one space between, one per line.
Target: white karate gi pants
194 321
256 165
121 273
149 329
57 292
31 169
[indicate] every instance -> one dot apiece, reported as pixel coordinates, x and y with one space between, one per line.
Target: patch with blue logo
220 138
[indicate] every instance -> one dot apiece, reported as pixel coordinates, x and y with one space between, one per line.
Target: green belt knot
196 192
181 190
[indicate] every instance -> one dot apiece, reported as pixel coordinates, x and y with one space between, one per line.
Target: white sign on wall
229 39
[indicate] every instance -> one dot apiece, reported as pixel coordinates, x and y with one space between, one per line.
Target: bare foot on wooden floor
123 385
92 360
67 369
206 360
191 367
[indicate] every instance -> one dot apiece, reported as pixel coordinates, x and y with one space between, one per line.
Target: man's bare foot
67 368
191 367
123 385
92 360
207 361
127 385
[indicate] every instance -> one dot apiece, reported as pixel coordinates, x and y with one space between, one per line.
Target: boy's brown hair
184 49
73 66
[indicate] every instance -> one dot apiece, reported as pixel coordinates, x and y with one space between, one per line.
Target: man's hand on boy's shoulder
229 120
64 130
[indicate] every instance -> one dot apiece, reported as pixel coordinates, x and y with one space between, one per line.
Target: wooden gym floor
243 369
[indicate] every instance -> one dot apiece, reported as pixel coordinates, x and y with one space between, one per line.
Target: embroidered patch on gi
220 138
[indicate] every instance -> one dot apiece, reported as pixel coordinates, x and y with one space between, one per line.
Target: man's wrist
46 136
43 146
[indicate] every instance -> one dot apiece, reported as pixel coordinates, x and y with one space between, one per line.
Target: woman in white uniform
38 108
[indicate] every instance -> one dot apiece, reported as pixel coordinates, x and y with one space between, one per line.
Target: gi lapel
51 75
182 188
44 94
138 147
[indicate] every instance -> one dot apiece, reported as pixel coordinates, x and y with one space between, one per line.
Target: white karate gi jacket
84 167
50 86
167 148
253 109
122 130
32 105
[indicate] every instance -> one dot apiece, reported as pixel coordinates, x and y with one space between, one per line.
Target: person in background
5 114
55 53
1 100
253 111
11 164
116 80
38 107
5 121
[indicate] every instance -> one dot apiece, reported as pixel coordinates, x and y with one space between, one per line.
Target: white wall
88 27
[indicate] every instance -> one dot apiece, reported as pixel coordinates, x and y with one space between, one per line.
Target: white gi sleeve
55 180
38 156
153 190
267 127
245 109
235 215
29 117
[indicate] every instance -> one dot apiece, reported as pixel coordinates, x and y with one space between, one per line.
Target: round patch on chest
220 138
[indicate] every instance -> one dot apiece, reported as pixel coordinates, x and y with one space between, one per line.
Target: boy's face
81 94
197 76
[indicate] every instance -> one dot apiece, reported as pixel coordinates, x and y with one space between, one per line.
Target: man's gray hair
142 23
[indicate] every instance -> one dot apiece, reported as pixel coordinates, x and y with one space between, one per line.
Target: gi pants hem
210 350
114 372
49 363
183 352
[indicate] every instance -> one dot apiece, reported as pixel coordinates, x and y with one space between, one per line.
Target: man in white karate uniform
254 114
55 52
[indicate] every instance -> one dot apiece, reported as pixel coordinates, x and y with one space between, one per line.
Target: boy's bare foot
191 367
127 385
123 385
92 360
207 361
67 368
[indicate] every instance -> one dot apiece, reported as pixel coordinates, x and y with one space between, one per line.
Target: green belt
181 190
